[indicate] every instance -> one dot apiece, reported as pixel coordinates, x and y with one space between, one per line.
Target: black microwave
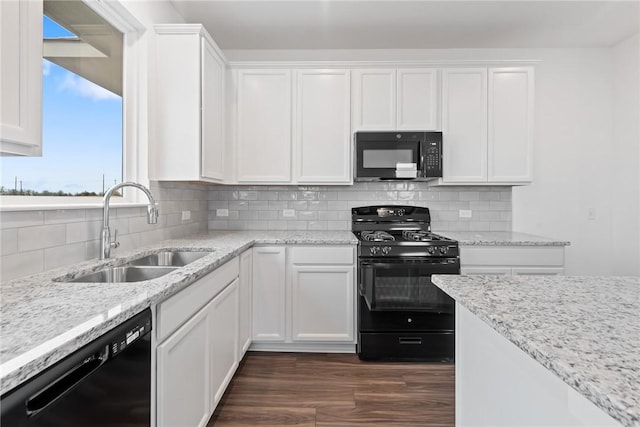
398 156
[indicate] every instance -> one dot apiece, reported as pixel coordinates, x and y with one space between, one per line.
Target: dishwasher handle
44 398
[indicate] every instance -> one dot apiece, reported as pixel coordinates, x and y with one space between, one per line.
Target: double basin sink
144 268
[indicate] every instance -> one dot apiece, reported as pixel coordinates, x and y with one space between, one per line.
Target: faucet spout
152 215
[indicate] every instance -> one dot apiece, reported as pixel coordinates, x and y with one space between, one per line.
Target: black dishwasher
105 383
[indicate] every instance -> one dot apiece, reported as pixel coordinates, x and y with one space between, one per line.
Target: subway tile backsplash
328 208
39 240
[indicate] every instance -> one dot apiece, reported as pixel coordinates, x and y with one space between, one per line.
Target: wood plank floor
305 389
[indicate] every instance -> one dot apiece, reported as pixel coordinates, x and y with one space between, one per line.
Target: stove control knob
386 250
431 250
443 250
374 250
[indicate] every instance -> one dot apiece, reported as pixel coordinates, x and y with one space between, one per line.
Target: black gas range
402 315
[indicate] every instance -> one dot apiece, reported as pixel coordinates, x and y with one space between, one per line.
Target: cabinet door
212 122
323 126
269 294
224 339
183 374
21 77
374 99
510 124
464 124
417 99
246 285
264 126
322 307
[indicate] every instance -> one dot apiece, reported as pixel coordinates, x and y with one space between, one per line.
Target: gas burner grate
377 236
419 236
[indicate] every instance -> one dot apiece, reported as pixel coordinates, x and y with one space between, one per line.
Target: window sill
44 203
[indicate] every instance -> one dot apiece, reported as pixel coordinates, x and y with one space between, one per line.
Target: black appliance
398 155
402 315
105 383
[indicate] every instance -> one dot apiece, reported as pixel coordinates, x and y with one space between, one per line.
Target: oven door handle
424 262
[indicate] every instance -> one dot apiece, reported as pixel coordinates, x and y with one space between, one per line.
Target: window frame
134 138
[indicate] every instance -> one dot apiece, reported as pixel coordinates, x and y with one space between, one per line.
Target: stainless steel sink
125 273
170 258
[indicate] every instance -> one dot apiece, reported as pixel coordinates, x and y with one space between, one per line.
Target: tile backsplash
39 240
328 207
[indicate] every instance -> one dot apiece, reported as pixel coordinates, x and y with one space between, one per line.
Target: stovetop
399 231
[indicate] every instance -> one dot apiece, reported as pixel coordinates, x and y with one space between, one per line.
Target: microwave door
379 159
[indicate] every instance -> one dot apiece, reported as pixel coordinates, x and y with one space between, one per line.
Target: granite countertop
501 238
43 320
586 330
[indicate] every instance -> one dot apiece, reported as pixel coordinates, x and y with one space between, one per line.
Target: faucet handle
114 243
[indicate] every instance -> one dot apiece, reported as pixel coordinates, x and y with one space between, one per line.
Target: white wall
626 157
586 148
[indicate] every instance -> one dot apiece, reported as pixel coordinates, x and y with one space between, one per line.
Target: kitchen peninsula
546 350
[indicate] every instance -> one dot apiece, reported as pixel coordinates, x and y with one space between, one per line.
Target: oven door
405 284
378 159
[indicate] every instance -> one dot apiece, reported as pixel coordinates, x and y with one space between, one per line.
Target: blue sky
82 134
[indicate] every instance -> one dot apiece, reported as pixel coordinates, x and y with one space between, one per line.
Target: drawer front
552 256
330 255
425 346
179 308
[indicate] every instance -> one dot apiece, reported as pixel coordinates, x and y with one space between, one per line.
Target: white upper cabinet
510 145
264 126
21 77
189 90
487 117
417 99
464 124
395 99
322 126
374 99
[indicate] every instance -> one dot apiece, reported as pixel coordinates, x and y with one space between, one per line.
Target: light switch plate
186 215
289 213
465 213
222 212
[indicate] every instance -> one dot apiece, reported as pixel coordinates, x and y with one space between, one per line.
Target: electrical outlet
592 214
186 215
465 213
289 213
222 212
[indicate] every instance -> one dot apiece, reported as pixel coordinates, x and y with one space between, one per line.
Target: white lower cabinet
245 310
511 260
183 360
322 303
224 339
269 293
197 330
304 296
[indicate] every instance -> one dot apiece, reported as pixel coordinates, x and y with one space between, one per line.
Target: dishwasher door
106 383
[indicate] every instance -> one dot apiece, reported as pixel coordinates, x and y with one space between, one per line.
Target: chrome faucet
152 216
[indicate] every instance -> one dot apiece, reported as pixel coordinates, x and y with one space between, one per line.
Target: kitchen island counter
43 318
584 330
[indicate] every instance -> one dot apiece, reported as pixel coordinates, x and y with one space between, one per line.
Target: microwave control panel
433 158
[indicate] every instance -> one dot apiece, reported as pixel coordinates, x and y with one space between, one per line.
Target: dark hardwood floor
305 389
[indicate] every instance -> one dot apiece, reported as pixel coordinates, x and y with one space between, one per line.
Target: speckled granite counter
43 320
586 330
501 238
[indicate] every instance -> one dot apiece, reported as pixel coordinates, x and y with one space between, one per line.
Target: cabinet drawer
179 308
551 256
331 255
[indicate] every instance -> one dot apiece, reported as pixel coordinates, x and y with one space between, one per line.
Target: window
82 108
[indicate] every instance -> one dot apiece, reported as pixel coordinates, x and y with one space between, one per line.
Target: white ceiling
417 24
